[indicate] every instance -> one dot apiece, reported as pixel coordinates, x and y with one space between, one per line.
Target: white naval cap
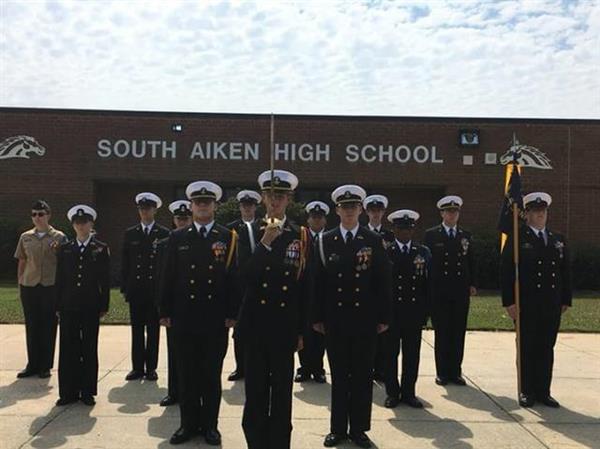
180 207
375 200
317 207
249 196
348 193
282 180
148 199
537 199
81 210
450 202
203 189
404 217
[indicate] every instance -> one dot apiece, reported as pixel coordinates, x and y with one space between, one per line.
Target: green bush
585 266
9 237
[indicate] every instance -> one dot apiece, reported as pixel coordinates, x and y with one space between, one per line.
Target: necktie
348 237
404 249
541 238
451 233
146 230
81 248
202 231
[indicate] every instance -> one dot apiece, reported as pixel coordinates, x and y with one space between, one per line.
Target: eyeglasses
38 214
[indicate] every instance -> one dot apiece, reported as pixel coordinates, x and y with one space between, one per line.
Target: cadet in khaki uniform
351 305
311 357
36 252
248 201
182 218
545 286
273 257
200 302
82 296
139 283
410 268
451 283
375 207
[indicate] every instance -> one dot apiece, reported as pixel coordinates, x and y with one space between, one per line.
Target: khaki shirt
40 256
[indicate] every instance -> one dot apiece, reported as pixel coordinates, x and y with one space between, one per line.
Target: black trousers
145 334
449 316
199 359
238 350
539 329
351 359
40 326
267 419
380 355
311 356
407 339
173 381
78 355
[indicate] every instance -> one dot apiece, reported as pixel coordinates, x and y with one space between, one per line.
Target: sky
530 58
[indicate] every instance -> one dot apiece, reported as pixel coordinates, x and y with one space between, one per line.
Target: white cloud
538 58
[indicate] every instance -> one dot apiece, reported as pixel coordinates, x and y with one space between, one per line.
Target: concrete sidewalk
482 415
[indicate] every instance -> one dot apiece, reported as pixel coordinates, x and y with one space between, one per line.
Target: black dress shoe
411 401
133 375
361 439
301 377
181 436
44 374
151 375
391 402
333 439
320 378
66 401
526 400
549 401
212 437
167 400
459 381
441 380
88 399
236 375
26 373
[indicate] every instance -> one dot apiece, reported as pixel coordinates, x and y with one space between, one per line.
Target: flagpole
517 291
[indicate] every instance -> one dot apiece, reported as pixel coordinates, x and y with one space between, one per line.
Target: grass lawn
486 311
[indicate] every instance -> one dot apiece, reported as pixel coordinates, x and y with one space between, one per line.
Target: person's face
83 226
146 213
203 209
248 209
40 218
182 221
403 234
349 212
375 214
316 222
450 216
537 217
276 202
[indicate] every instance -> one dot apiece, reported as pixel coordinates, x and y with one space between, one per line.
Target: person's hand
319 327
473 291
229 323
166 322
512 311
271 233
300 343
381 328
564 308
103 313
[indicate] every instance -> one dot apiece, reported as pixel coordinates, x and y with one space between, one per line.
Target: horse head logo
526 156
20 147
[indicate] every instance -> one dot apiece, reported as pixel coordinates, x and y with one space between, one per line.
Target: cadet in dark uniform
545 286
82 296
182 218
248 200
199 301
451 283
273 258
311 357
351 305
409 296
139 282
375 206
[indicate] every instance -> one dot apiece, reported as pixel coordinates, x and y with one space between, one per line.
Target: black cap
40 205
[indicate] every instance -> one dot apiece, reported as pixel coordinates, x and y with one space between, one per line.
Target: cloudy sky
530 58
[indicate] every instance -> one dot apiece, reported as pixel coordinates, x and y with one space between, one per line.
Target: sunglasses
38 214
